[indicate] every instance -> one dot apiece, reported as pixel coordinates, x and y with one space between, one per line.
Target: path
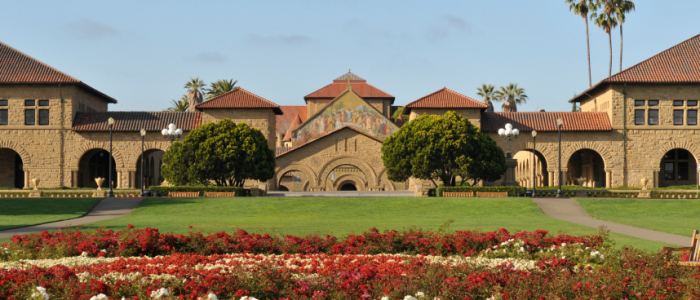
108 208
568 210
341 194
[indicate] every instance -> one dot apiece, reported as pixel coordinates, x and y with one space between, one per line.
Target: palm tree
607 21
179 105
582 8
219 87
622 7
486 91
513 95
194 95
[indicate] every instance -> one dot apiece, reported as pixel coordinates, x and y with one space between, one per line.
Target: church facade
639 123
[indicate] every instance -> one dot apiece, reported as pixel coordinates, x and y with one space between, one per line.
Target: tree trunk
610 43
588 45
620 46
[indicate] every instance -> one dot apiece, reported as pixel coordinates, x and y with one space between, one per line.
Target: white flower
99 297
521 250
40 293
84 254
157 294
420 295
563 244
248 298
384 298
409 297
212 296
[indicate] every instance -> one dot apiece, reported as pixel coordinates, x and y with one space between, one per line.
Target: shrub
165 190
512 190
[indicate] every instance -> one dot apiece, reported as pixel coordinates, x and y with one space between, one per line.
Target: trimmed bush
512 190
164 190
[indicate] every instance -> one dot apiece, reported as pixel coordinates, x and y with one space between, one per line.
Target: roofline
392 98
435 92
276 109
81 84
329 134
589 90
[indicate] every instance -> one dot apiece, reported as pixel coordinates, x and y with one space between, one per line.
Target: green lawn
677 216
19 212
340 216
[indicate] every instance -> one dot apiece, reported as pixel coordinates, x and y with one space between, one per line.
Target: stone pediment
346 110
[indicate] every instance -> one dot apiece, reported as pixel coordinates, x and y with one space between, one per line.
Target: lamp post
110 121
171 132
508 133
560 122
143 135
534 163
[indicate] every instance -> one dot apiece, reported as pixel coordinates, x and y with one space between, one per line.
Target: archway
152 166
293 181
11 169
678 168
345 174
95 163
348 186
523 172
587 164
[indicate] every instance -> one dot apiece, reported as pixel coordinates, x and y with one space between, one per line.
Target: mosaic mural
348 111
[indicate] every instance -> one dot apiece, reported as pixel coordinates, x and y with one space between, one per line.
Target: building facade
639 123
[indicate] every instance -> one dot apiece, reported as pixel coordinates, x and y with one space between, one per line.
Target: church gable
346 110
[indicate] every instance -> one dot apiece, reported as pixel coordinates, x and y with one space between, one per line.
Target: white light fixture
508 133
534 133
143 132
110 121
171 132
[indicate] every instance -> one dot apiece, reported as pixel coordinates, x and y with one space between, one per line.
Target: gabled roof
359 85
444 98
678 64
329 134
239 98
295 123
288 115
546 121
135 120
19 68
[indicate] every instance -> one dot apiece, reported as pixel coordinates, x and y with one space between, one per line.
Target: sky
143 52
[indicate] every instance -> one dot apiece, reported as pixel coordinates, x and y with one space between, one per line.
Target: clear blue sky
142 52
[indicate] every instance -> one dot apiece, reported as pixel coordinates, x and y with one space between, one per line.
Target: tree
442 147
582 8
179 105
487 92
607 21
513 95
397 113
219 87
223 153
194 95
622 7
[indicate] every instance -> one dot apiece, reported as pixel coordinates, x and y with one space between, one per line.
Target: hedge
164 190
512 190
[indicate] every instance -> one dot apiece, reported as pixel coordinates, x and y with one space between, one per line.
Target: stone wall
260 118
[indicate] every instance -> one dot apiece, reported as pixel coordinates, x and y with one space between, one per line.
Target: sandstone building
639 123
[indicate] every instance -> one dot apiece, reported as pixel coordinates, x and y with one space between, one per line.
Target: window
3 102
43 117
683 171
653 116
28 102
669 172
683 154
677 102
43 102
29 117
692 117
639 102
692 103
3 116
677 117
639 117
653 102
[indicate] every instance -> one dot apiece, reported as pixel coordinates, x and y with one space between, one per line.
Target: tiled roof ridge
238 88
358 82
75 80
546 121
444 89
127 121
328 134
353 76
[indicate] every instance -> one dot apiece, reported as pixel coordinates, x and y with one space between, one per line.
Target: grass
341 216
677 216
20 212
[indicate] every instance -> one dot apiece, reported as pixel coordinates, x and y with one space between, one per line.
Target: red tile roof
135 120
546 121
444 98
359 86
289 113
678 64
19 68
329 134
350 75
295 123
239 98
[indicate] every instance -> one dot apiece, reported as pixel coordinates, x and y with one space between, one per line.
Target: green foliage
397 113
219 87
442 147
512 190
224 153
512 95
165 190
179 105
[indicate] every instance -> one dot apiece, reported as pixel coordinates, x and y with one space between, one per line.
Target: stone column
509 177
119 179
551 178
132 179
74 178
608 179
26 179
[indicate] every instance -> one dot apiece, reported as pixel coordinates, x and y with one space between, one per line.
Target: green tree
224 153
194 95
622 7
607 21
513 96
442 147
487 92
179 105
583 8
399 112
219 87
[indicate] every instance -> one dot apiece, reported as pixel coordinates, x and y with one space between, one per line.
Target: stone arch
327 168
134 156
568 151
26 159
345 178
545 149
295 167
87 146
685 145
383 178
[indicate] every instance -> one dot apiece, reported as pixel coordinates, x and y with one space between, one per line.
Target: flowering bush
150 242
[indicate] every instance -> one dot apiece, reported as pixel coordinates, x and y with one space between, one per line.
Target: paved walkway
341 194
568 210
108 208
